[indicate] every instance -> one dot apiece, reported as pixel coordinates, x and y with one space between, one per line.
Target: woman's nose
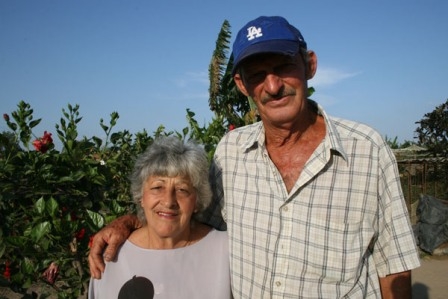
170 200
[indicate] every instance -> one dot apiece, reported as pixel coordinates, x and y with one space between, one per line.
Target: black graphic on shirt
137 288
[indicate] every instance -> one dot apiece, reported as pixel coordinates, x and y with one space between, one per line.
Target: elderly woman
171 255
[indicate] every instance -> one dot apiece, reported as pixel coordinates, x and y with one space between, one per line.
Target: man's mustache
282 93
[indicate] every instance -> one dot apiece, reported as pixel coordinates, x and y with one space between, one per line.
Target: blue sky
383 62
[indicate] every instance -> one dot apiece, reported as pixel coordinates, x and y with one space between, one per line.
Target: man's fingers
96 266
111 252
108 240
96 262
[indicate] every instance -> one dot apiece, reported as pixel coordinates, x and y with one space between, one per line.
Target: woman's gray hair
170 156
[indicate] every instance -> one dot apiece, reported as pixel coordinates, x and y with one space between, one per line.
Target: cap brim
284 47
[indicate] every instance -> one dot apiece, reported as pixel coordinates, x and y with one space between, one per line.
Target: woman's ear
311 65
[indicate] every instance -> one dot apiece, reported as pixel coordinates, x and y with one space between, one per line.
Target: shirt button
285 209
278 283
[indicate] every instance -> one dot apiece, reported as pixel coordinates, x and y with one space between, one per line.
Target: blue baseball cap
266 35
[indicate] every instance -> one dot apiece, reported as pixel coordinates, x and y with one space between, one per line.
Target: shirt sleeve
395 249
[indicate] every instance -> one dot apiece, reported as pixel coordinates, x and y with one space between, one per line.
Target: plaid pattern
344 223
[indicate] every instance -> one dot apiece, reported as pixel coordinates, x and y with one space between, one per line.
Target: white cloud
330 76
192 77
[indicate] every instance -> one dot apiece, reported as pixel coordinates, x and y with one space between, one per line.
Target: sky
383 62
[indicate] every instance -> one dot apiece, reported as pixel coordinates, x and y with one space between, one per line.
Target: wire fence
423 176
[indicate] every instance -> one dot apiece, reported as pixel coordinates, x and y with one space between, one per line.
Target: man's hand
106 242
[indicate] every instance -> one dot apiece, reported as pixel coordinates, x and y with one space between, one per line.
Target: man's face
277 84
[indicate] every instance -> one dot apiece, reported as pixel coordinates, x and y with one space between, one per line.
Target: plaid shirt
343 224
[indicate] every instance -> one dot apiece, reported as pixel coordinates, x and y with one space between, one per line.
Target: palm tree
225 99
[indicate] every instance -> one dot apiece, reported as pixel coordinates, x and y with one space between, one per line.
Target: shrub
53 201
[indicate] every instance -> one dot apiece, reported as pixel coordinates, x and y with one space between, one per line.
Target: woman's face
169 203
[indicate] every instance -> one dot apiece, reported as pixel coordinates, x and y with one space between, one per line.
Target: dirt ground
430 281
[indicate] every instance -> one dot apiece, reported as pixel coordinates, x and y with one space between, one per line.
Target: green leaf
2 249
34 123
27 283
96 219
40 230
69 144
98 141
185 131
12 126
66 179
117 208
27 266
52 206
16 241
40 205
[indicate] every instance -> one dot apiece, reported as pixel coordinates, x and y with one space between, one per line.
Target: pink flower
231 127
51 273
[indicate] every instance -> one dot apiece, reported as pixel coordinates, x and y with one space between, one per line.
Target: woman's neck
147 238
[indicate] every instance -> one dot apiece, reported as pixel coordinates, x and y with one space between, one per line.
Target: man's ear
312 65
240 84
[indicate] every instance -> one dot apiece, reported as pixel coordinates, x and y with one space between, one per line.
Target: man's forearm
398 285
106 242
130 221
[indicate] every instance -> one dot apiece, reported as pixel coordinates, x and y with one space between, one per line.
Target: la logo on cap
253 32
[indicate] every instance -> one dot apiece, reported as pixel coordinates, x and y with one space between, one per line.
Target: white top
200 270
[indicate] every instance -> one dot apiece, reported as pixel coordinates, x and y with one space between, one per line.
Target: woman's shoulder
203 231
199 231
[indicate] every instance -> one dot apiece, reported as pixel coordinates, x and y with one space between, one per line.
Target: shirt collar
332 138
256 137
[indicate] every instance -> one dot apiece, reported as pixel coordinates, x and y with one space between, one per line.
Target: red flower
51 273
7 272
37 145
231 127
46 139
79 235
91 241
44 143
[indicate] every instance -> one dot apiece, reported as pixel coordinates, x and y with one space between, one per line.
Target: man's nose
272 83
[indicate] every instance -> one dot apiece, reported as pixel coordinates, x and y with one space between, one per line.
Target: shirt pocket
337 250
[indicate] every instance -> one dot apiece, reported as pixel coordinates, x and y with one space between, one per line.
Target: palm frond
218 64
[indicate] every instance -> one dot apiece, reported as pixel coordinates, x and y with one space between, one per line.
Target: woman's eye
155 189
181 190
